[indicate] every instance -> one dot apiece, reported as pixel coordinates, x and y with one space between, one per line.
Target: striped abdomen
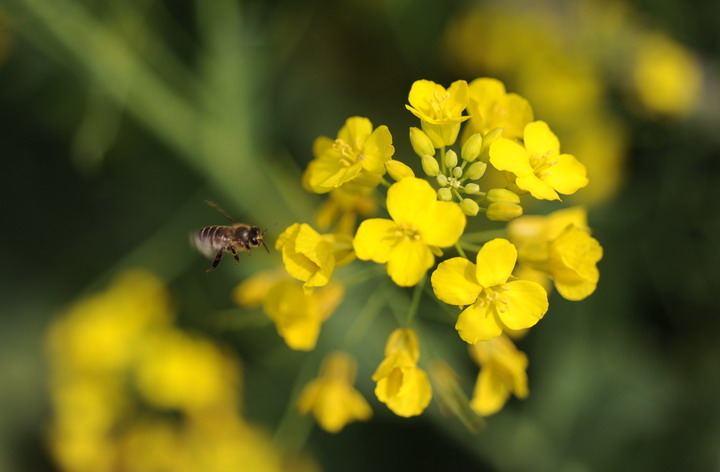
210 239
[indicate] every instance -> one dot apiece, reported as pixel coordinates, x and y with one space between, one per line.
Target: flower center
407 231
349 157
541 163
437 104
493 297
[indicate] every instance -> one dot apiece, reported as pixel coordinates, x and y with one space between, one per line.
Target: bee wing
201 245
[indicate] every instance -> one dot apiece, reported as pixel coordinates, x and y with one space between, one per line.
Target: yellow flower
176 370
331 396
358 151
538 166
401 384
666 76
439 110
343 208
298 315
420 224
491 107
502 373
495 303
311 257
560 245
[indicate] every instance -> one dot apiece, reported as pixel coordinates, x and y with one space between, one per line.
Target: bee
215 240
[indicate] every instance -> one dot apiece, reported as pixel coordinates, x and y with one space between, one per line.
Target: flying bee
215 240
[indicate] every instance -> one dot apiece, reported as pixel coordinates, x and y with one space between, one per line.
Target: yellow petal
421 94
527 304
409 260
567 176
575 291
410 397
537 188
478 323
539 139
442 224
355 131
508 155
490 393
375 239
408 200
454 282
495 262
458 97
377 150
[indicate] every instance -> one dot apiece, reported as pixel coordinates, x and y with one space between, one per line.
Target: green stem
442 160
460 250
469 246
484 236
385 182
415 302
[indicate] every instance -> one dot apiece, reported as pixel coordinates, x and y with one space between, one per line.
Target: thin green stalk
415 302
460 250
484 236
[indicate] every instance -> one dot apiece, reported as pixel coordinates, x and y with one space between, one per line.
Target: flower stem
415 302
460 250
385 182
483 236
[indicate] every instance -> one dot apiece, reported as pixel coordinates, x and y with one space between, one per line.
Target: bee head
255 237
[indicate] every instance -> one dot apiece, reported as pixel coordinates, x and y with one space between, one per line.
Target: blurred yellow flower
538 166
331 397
666 76
439 110
401 384
420 224
343 207
502 373
491 107
297 314
560 245
311 257
495 302
357 151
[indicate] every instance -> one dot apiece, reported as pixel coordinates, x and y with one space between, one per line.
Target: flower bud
421 143
471 149
430 165
472 189
492 136
442 180
469 207
476 170
457 172
444 194
497 195
503 211
398 170
451 159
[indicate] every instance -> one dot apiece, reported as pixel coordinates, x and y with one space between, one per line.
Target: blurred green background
119 118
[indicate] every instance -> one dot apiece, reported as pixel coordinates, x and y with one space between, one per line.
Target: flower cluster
485 159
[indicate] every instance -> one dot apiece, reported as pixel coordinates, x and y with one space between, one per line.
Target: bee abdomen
209 240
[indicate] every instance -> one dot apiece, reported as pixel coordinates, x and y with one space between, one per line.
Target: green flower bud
489 138
469 207
503 211
398 170
476 170
451 159
471 149
442 180
457 172
497 195
472 189
444 194
421 143
430 165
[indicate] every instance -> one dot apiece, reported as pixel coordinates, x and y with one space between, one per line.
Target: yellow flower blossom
494 301
311 257
502 373
420 224
560 245
401 384
439 110
176 370
491 107
331 397
342 209
297 314
252 291
538 166
357 151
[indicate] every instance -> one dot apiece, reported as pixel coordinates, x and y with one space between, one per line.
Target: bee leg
235 255
216 262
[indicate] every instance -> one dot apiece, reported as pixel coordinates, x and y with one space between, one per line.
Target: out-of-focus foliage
119 118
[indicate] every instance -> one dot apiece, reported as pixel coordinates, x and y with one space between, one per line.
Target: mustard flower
502 373
420 225
439 109
491 107
298 315
538 166
560 245
358 152
342 209
331 396
494 301
310 256
401 384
